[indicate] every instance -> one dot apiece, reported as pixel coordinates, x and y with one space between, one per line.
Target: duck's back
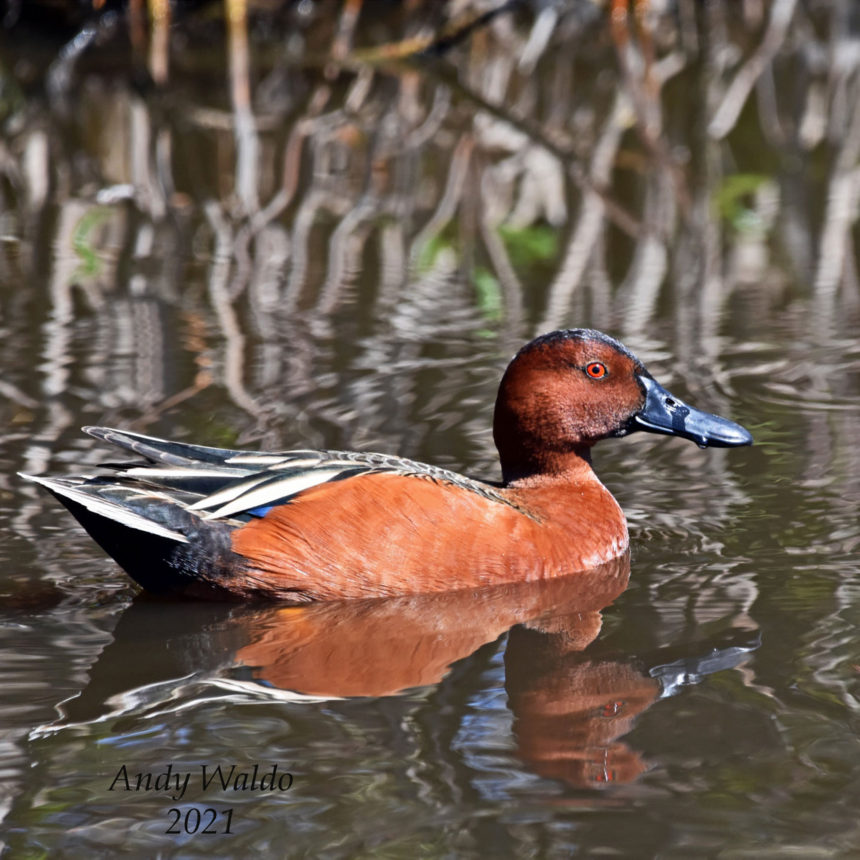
383 534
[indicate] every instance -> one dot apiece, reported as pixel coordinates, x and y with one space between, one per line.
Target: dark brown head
567 390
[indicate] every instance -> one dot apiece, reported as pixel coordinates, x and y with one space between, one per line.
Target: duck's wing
170 519
97 500
196 469
226 483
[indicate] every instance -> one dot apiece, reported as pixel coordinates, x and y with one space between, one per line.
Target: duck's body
383 534
309 525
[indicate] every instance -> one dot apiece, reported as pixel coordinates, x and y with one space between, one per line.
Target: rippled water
355 274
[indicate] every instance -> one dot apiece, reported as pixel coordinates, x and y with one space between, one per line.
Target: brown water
290 251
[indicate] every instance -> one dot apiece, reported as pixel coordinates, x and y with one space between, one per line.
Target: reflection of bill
570 707
569 711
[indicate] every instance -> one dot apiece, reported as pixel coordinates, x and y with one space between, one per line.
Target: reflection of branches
350 181
843 208
344 255
616 213
222 302
448 200
245 129
511 286
736 95
589 223
642 285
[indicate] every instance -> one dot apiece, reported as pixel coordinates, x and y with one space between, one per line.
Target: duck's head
567 390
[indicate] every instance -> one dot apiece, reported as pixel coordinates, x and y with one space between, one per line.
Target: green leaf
488 293
529 245
83 241
431 250
731 200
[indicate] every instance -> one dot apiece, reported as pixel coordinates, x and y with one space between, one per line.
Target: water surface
309 248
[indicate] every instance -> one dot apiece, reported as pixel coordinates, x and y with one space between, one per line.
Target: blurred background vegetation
531 163
330 224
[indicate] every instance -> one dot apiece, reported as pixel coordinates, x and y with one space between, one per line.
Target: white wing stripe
290 458
184 472
272 491
229 493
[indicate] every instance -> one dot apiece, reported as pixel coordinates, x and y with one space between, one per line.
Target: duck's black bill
664 413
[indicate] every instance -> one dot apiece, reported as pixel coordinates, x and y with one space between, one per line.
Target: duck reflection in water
570 710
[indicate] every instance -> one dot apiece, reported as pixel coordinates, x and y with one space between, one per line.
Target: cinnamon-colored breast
383 534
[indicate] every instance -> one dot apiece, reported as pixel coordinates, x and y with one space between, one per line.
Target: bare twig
736 95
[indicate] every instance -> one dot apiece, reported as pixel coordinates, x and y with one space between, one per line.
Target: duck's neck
548 467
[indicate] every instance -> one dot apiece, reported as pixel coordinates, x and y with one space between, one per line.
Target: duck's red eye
595 370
